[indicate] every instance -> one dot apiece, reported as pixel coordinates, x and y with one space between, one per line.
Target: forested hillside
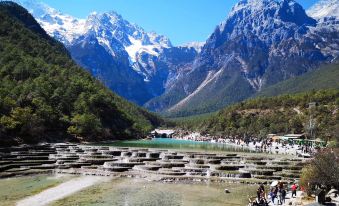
280 115
325 77
45 96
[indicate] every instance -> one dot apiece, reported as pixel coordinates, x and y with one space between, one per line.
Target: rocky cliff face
260 43
114 51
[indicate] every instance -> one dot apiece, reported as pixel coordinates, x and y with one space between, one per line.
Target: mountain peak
285 10
105 26
324 8
269 20
112 16
63 27
256 5
123 42
253 3
36 7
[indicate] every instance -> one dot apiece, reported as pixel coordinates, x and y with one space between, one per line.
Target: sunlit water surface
165 143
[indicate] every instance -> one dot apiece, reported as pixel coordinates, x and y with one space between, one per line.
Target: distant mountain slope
277 115
325 78
120 54
324 8
45 96
260 43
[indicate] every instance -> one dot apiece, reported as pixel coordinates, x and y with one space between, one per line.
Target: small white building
294 136
164 133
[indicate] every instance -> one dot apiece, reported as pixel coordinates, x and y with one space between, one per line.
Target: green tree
323 170
85 125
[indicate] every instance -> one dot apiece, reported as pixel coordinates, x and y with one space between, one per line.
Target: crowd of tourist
276 194
251 143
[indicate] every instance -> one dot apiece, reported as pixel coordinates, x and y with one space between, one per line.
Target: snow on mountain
63 27
260 43
270 20
120 54
132 38
327 14
324 8
195 45
136 47
261 23
104 26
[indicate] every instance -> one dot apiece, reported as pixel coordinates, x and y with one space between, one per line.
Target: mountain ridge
259 44
45 96
129 50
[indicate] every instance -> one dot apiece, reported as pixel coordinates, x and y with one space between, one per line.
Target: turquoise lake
165 143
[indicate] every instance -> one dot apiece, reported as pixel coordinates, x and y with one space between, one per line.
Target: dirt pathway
61 191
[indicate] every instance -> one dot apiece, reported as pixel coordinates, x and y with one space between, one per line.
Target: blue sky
181 20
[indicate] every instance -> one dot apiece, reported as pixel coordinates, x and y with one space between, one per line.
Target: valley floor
106 175
124 191
91 190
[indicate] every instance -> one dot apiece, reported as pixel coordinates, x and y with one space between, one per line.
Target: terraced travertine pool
111 175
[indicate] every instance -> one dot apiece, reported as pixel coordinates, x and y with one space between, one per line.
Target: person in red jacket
294 188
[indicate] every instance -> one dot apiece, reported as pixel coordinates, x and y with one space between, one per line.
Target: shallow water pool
166 143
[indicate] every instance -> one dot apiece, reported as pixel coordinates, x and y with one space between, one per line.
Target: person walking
279 194
294 188
261 192
283 196
273 193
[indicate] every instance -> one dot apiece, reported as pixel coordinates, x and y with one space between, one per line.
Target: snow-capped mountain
134 40
105 26
260 43
119 53
63 27
324 8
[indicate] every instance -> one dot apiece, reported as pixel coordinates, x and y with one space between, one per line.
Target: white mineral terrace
137 162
